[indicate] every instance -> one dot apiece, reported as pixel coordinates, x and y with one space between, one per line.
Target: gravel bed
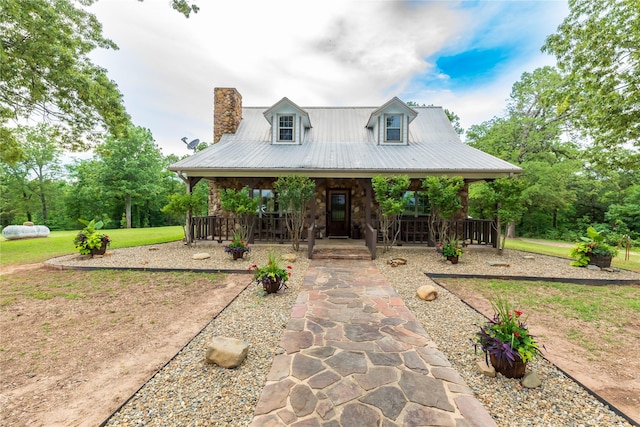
452 324
188 391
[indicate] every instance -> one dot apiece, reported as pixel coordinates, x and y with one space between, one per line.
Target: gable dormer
289 123
390 123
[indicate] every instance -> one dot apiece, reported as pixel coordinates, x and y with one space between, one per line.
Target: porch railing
371 238
412 231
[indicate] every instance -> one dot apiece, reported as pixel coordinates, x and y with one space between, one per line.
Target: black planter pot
603 261
101 250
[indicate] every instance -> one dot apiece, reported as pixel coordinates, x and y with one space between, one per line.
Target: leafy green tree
46 73
87 196
242 206
445 201
455 121
501 199
131 172
596 47
34 175
179 207
626 215
294 193
389 192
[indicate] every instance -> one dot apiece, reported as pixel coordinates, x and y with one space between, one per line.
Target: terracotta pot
101 250
601 261
453 259
515 370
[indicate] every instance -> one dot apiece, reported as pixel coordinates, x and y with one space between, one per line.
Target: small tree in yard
502 199
444 201
294 192
241 206
389 191
181 206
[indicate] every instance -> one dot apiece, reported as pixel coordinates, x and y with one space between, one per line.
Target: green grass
607 313
555 249
15 252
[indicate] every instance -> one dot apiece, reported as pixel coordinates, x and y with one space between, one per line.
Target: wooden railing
475 231
371 238
311 241
412 231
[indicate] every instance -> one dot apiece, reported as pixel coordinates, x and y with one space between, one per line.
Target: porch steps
358 253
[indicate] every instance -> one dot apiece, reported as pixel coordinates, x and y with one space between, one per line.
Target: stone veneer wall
358 199
227 111
227 114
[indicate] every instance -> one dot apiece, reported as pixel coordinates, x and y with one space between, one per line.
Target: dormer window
393 128
285 127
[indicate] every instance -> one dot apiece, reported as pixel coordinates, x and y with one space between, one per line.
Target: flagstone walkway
356 356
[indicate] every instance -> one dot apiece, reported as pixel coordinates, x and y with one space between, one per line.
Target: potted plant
91 241
506 341
237 247
272 277
592 250
451 251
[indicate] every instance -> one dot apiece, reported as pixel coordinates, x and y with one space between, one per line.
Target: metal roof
339 144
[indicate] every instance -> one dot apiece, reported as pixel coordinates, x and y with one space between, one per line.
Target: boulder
427 292
201 255
530 380
227 352
486 370
289 257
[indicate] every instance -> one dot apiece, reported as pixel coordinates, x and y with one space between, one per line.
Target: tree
242 206
501 199
598 49
294 193
455 121
445 201
179 205
389 192
46 73
131 172
38 168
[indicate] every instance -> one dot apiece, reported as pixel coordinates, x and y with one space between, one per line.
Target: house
341 149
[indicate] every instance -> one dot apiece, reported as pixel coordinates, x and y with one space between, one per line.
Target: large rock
427 292
227 352
487 370
531 380
201 255
15 232
289 257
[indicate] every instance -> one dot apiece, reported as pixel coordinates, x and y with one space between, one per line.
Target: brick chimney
227 111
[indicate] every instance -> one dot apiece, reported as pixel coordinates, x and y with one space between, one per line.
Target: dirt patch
75 345
610 369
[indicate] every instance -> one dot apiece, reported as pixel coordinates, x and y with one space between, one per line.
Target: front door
338 209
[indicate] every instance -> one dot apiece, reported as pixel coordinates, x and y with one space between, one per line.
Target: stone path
356 356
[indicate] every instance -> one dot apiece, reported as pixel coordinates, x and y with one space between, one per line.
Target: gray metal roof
339 144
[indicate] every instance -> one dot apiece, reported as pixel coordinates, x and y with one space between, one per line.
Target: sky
461 55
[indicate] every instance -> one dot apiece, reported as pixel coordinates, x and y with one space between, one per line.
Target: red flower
517 334
289 273
517 312
289 267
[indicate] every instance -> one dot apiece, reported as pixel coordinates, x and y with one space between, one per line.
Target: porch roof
340 145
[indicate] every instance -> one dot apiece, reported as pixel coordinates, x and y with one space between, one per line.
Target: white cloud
314 52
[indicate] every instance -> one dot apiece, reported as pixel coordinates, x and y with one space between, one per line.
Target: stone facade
227 111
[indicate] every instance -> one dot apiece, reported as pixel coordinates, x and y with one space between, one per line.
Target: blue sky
464 56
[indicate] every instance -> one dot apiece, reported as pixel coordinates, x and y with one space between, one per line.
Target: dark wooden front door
338 210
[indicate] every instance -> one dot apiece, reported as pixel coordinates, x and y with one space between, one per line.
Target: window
393 128
285 128
416 203
266 201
